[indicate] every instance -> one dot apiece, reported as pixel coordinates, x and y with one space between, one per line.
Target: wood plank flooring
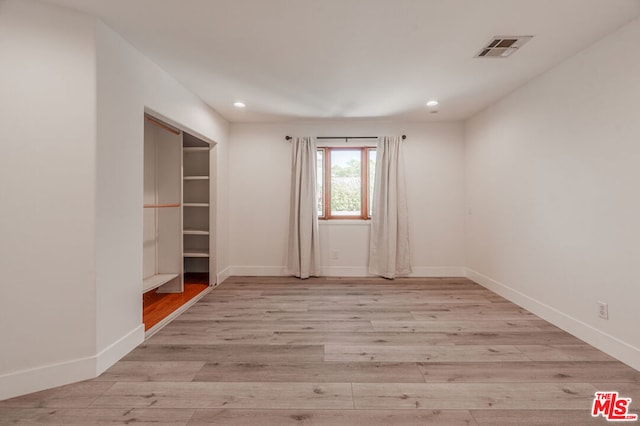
350 351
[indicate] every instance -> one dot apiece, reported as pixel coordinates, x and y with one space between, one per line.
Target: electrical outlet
335 254
603 310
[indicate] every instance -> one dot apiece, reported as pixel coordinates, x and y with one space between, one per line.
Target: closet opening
177 259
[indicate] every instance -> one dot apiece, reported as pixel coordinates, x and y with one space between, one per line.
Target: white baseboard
438 271
48 376
114 352
223 275
63 373
608 344
345 271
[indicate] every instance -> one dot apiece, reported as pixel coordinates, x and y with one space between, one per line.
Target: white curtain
303 258
389 254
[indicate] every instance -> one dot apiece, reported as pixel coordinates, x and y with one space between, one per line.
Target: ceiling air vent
502 46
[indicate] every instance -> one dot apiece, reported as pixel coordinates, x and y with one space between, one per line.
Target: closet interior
177 237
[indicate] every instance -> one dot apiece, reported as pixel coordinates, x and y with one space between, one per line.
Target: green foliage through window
344 185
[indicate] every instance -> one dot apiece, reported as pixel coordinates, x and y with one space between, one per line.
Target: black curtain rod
346 138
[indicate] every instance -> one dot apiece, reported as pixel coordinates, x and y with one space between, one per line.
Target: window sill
356 222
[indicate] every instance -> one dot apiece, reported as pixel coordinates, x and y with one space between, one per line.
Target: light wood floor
361 351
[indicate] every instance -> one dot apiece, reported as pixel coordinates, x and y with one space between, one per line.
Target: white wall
259 198
47 196
71 185
127 84
552 183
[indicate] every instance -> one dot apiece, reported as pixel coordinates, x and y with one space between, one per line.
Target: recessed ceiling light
239 104
432 103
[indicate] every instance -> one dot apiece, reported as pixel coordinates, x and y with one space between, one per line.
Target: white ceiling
382 59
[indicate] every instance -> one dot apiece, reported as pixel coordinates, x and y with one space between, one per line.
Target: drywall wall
47 193
129 84
260 176
552 194
73 98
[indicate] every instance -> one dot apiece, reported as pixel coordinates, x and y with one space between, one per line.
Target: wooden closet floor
356 351
158 306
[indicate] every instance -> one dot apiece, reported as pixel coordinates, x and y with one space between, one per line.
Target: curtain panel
389 253
303 255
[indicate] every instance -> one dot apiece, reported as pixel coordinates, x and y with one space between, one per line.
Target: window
345 182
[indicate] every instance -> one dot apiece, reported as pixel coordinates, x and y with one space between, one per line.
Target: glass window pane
320 182
346 181
371 177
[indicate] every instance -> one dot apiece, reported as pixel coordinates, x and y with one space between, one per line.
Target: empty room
322 212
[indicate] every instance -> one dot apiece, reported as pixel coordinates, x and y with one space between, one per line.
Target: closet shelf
156 281
196 204
195 149
158 206
196 178
196 252
195 232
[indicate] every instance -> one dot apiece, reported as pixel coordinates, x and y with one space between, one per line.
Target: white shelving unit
177 207
196 190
